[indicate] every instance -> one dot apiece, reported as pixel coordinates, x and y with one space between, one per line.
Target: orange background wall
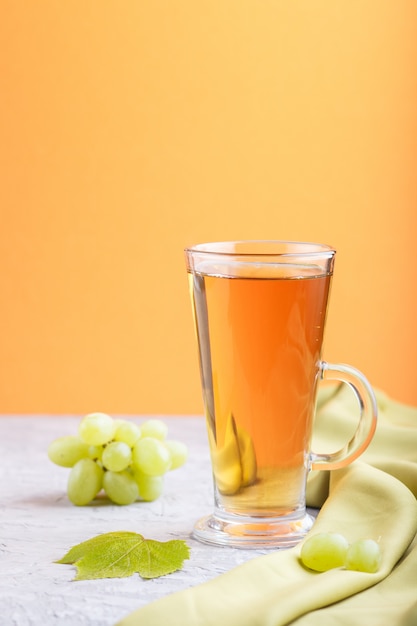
131 129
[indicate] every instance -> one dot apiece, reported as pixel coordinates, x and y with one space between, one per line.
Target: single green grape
127 432
364 555
96 429
120 487
117 456
66 451
154 428
95 452
324 551
178 451
151 456
150 487
84 482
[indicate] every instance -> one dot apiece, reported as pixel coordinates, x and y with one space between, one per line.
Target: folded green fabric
374 497
392 449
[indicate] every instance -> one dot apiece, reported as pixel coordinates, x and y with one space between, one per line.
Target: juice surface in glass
260 331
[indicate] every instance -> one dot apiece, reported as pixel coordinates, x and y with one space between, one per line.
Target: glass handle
367 419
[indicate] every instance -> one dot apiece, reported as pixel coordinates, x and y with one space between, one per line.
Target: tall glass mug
260 311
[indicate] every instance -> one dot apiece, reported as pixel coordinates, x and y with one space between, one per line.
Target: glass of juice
259 312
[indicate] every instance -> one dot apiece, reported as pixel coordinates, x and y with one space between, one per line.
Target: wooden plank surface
38 525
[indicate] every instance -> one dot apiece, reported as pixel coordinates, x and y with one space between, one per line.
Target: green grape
120 487
150 487
151 456
178 451
66 451
364 556
324 551
127 432
96 429
95 452
117 456
154 428
84 482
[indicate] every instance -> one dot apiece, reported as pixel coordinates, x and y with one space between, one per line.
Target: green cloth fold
374 498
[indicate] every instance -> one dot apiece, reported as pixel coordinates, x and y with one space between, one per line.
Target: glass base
252 533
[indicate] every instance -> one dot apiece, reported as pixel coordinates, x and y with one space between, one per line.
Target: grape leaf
122 554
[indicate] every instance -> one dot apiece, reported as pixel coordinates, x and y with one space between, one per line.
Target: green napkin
392 449
374 497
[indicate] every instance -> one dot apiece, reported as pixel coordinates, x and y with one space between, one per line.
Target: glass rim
279 248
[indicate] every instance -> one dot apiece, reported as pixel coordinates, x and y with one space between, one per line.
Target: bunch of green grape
124 459
325 551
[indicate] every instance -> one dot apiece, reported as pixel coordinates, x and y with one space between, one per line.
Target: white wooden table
38 525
